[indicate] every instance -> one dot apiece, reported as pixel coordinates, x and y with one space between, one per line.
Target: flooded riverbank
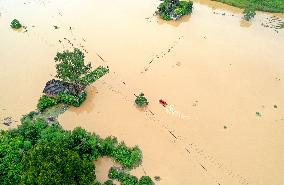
214 69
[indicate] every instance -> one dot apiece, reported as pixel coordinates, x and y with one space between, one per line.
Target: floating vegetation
174 9
15 24
141 101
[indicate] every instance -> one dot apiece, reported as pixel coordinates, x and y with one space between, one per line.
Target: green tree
70 66
50 163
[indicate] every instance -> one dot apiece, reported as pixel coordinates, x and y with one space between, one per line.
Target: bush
249 13
146 180
107 146
169 10
94 75
141 100
49 163
15 24
73 100
45 102
83 143
128 157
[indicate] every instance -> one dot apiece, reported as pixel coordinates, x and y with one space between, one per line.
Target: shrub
15 24
83 143
73 100
49 163
113 173
31 130
249 13
94 75
141 100
46 102
11 153
107 146
123 177
169 10
108 182
146 180
128 157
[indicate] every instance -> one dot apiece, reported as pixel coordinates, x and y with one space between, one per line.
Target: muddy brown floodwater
214 70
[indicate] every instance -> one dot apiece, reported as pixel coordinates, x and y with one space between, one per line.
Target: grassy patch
261 5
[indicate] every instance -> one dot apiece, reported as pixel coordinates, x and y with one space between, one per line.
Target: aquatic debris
56 27
157 178
258 114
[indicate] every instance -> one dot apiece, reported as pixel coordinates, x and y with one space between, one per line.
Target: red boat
163 102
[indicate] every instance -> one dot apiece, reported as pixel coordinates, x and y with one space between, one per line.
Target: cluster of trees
74 77
39 153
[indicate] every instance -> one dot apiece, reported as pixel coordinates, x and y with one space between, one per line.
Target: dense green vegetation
75 76
15 24
75 100
141 101
40 153
262 5
126 179
70 66
174 9
72 69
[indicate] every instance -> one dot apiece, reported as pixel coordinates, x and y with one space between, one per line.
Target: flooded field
222 78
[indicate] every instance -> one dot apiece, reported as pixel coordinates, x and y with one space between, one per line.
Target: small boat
163 102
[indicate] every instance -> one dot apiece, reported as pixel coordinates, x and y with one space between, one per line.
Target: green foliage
145 180
107 146
126 179
83 143
73 100
12 149
108 182
249 13
49 163
15 24
141 100
41 153
262 5
94 75
70 66
168 10
128 157
45 102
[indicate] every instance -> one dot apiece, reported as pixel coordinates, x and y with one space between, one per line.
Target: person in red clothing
163 102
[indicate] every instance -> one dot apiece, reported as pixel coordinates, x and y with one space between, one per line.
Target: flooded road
222 77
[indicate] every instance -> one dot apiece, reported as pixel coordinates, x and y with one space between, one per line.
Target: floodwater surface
221 77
